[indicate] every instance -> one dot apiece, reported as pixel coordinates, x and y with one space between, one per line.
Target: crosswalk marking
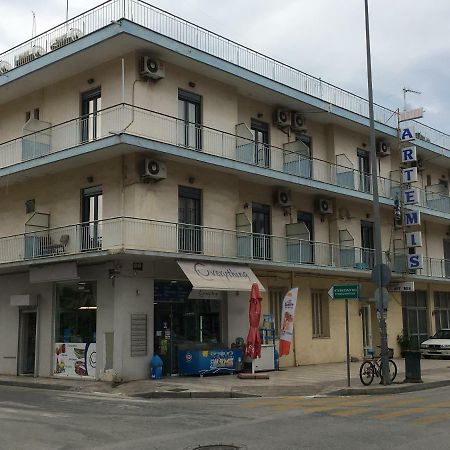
428 420
401 413
352 411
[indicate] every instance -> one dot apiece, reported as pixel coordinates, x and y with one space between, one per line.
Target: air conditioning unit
28 55
298 122
324 206
72 35
5 67
153 170
283 198
282 118
383 149
152 68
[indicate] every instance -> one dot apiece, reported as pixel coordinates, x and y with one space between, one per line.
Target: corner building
136 147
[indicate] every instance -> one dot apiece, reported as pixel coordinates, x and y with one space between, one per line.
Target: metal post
376 212
347 339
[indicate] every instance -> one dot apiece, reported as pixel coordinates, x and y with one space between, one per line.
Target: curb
413 387
192 394
55 387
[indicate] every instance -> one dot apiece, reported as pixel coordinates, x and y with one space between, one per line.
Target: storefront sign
219 277
406 134
415 262
409 154
209 295
287 321
411 115
75 359
414 239
412 218
410 175
406 286
411 196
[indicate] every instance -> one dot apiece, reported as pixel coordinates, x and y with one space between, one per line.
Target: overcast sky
325 38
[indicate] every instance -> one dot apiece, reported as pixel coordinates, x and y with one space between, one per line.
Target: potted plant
404 341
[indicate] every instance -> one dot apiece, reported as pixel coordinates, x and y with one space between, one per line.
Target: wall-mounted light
245 205
91 81
259 115
192 84
90 179
191 180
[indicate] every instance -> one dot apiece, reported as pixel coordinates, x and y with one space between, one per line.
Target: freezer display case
209 362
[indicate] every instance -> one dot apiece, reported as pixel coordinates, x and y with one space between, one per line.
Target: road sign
383 272
381 299
405 286
344 291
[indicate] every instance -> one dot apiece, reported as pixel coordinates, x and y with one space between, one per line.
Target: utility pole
381 302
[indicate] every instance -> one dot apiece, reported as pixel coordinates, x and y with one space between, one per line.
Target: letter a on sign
406 134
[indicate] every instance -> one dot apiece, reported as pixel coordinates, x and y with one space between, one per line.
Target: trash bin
156 366
412 367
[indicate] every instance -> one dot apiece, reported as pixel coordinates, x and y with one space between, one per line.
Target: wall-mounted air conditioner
5 67
282 118
298 122
283 198
72 35
153 170
152 68
383 149
324 206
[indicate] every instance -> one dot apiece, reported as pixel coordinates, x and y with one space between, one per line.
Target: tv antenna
406 91
33 28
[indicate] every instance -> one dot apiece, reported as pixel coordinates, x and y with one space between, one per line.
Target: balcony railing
126 233
206 41
136 121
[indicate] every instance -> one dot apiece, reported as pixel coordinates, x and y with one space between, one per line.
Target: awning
219 277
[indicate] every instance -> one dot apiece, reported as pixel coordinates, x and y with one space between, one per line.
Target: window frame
320 316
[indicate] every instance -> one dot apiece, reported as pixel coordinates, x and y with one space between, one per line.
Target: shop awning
219 277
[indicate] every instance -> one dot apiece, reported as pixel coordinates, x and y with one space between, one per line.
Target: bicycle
372 367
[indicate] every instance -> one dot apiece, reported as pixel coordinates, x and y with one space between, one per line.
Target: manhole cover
218 447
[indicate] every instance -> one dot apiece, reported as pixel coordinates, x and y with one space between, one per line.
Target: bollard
412 367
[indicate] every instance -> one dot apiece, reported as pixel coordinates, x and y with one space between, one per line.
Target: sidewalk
323 379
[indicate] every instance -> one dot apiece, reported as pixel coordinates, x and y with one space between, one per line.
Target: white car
437 346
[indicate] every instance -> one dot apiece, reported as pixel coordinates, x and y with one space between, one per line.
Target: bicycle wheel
366 373
392 370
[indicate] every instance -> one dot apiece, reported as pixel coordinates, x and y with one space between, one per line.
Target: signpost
345 292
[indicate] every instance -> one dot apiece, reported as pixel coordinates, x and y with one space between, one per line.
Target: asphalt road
43 419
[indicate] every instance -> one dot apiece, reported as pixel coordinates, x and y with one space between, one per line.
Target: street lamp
377 275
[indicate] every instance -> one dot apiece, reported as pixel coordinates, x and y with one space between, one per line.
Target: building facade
136 147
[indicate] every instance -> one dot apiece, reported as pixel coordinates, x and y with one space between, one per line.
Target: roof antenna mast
406 91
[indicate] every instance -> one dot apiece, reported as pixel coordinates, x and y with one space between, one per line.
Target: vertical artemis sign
413 239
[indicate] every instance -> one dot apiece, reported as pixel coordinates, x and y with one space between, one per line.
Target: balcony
207 42
125 119
126 234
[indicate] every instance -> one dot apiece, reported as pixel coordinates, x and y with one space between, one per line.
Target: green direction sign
344 291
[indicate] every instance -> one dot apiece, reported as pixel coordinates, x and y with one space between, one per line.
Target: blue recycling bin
156 366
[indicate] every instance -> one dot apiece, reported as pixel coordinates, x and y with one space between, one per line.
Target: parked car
437 346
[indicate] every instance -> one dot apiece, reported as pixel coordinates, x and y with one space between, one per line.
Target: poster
287 321
75 359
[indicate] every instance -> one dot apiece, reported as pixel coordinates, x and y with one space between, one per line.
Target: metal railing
127 233
160 127
206 41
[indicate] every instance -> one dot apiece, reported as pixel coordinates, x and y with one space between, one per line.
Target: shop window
441 310
320 314
414 311
275 306
76 313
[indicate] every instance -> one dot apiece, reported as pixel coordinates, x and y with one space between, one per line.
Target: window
91 217
91 104
364 170
275 306
189 219
76 313
261 231
320 314
441 310
260 132
414 311
190 123
307 247
367 244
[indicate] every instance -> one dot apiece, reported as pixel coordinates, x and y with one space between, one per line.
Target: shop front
192 318
75 330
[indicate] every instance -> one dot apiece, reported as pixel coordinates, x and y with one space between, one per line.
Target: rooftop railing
196 138
127 233
206 41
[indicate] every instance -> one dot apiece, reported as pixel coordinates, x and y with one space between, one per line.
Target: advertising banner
75 359
287 321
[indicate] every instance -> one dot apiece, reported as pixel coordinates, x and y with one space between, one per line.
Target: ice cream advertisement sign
287 321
